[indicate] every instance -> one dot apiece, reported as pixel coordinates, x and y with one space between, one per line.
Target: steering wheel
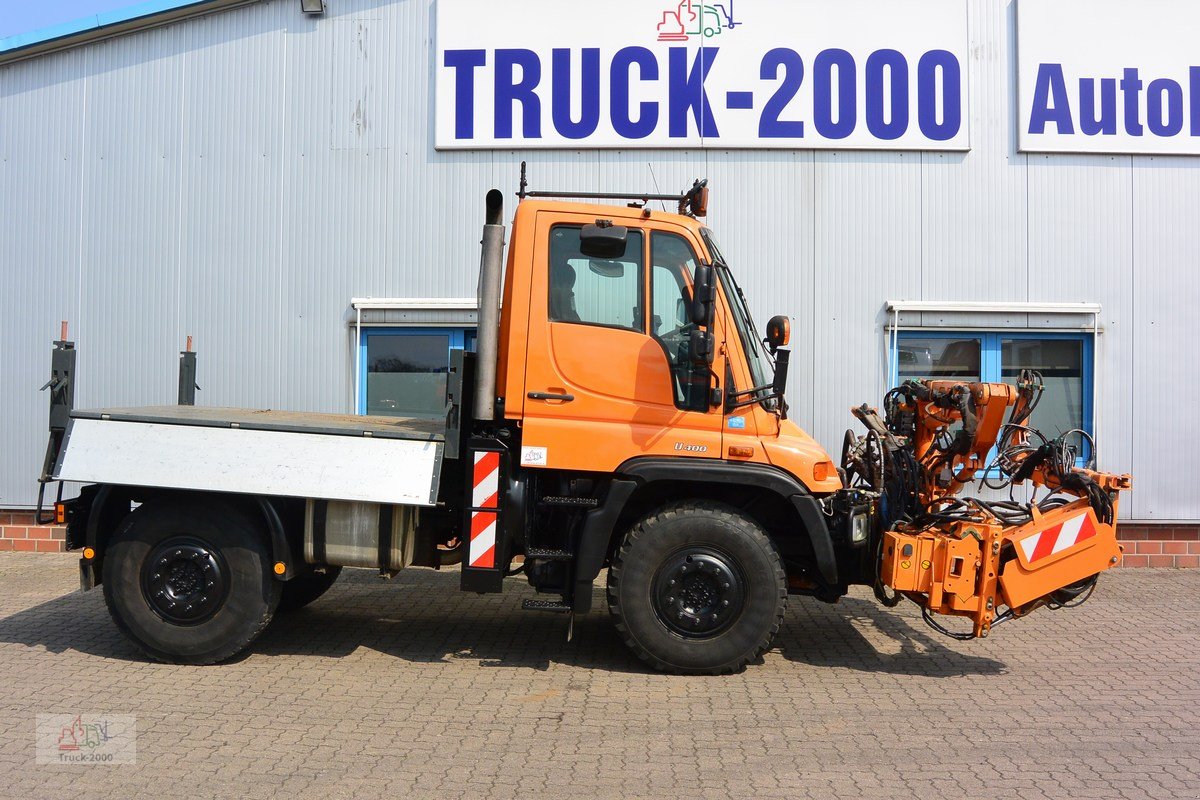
677 343
678 337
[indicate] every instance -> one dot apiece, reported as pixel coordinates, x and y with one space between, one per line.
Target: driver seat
562 293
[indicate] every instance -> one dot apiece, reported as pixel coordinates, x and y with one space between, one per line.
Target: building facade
282 187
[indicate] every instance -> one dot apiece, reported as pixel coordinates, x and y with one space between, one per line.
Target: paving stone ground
408 688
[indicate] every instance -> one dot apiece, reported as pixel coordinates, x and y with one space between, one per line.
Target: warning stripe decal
1055 539
485 494
487 480
482 553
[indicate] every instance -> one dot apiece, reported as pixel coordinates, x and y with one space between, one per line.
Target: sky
25 16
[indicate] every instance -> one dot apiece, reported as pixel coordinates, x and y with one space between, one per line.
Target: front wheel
697 588
189 582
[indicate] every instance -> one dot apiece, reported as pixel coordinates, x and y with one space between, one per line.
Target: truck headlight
860 526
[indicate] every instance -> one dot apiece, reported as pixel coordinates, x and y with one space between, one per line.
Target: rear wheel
697 588
189 582
305 588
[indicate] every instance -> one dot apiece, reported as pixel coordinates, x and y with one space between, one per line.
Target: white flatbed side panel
279 463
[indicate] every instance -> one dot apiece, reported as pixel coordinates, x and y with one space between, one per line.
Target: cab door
607 376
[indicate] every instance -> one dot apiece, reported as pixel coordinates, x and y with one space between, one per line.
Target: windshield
751 342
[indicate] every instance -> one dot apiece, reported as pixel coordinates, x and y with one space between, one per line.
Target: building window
403 371
1063 359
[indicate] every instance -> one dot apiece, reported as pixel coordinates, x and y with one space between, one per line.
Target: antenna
650 167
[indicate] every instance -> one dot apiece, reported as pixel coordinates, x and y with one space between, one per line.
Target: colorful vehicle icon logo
695 19
80 734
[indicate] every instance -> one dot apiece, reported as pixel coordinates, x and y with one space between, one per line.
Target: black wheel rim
185 580
699 592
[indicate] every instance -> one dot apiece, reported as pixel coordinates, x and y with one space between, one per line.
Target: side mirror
779 332
703 297
779 382
601 240
701 348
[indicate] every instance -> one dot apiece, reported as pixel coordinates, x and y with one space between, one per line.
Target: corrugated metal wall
241 176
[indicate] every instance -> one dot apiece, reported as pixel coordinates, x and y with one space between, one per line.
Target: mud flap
487 556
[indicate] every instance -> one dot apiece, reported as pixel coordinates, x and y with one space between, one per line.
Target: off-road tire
657 543
213 534
305 588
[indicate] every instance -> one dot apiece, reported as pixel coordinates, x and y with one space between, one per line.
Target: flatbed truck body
259 452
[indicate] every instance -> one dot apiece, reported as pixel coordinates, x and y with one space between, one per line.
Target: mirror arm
752 400
732 403
745 392
774 390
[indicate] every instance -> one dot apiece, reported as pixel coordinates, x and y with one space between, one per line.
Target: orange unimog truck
621 412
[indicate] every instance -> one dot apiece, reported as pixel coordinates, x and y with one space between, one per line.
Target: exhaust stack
487 342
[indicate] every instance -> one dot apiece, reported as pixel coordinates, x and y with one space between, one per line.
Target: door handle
566 398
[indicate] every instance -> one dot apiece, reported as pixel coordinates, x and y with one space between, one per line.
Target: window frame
462 337
991 368
701 405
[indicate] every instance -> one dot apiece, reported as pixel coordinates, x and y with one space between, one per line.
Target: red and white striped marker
481 553
1057 538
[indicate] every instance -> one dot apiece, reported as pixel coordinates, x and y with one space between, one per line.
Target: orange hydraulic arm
989 560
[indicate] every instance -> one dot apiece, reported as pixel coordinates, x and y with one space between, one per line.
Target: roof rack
692 202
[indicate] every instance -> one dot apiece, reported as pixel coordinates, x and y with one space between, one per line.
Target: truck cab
595 363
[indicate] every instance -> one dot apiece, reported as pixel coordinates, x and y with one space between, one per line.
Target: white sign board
1109 76
844 74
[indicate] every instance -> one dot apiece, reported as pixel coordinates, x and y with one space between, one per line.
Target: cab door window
672 265
593 291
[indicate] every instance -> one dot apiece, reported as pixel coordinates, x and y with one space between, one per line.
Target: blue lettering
927 95
510 90
624 125
770 126
1050 102
1131 85
589 115
847 112
1194 80
896 65
687 93
1173 122
1089 125
464 63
